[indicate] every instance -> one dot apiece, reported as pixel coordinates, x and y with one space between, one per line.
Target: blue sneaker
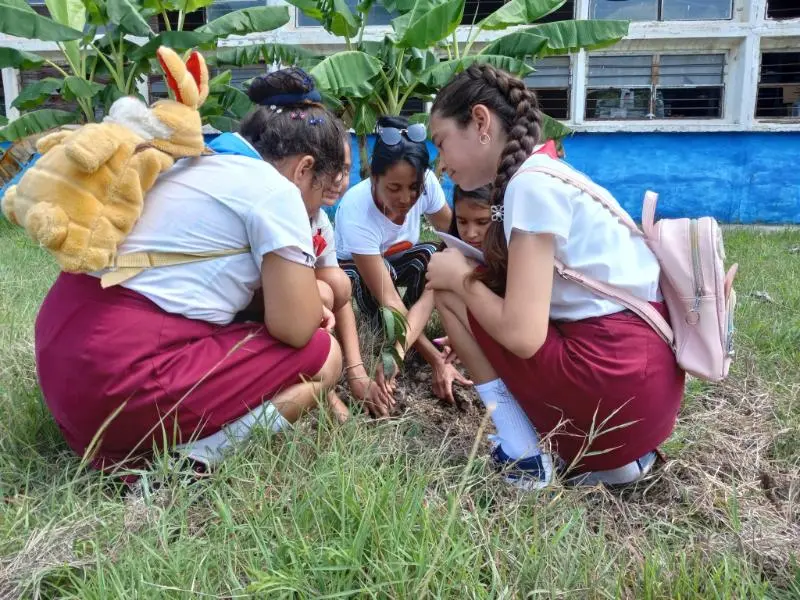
528 474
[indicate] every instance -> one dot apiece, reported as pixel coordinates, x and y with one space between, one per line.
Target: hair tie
292 99
497 211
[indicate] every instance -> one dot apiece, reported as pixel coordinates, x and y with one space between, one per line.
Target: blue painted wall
735 177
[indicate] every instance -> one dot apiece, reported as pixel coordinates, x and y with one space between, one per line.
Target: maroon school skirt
611 375
112 360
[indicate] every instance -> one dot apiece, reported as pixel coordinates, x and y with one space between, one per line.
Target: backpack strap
588 188
643 309
129 265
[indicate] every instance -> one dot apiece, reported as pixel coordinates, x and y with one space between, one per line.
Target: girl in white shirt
549 355
377 233
159 357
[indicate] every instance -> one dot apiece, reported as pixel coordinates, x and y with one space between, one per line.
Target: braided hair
518 110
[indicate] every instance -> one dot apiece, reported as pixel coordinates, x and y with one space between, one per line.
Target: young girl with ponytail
552 358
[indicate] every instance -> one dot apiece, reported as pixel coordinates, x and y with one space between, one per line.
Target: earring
484 139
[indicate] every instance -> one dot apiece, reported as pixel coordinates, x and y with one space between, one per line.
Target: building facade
700 102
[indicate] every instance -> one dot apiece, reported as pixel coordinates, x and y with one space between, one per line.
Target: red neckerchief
319 242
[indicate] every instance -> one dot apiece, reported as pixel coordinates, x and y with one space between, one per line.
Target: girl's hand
372 396
387 384
448 354
444 375
447 270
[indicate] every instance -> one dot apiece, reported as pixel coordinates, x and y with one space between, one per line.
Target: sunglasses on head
391 136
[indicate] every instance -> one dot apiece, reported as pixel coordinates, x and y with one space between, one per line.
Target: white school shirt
324 241
212 203
588 238
361 228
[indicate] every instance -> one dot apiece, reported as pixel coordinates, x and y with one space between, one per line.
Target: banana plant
422 52
98 69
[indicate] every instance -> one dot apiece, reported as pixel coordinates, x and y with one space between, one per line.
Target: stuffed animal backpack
86 192
698 292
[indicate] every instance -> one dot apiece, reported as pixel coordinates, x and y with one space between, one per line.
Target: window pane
412 107
779 88
691 103
554 102
56 100
696 10
551 72
635 10
620 103
783 9
377 15
224 7
691 69
620 71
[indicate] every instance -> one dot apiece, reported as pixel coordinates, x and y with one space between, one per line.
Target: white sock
515 433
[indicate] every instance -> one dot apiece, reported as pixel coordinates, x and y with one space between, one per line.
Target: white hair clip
497 212
277 110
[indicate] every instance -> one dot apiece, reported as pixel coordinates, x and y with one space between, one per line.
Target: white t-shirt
588 238
212 203
361 228
324 241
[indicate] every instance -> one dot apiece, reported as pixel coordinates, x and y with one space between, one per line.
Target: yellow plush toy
85 193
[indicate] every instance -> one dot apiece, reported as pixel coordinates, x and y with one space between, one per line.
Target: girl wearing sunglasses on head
378 227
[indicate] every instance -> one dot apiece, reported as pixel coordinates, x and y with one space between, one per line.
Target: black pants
406 270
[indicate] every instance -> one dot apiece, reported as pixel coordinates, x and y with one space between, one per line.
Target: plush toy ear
196 65
169 61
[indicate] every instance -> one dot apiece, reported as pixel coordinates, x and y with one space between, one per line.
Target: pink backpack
698 293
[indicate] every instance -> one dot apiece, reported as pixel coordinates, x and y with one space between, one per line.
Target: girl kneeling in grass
549 355
158 360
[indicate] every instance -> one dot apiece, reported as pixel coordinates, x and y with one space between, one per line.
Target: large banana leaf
241 56
520 12
347 74
223 123
96 12
565 37
177 40
72 14
428 23
439 75
235 102
218 83
77 87
365 117
19 19
127 15
248 20
35 94
37 122
552 129
19 59
3 121
342 21
309 8
519 44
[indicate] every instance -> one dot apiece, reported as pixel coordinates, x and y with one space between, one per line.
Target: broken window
783 9
550 81
658 86
661 10
779 86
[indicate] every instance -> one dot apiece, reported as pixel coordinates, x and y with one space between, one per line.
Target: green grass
385 510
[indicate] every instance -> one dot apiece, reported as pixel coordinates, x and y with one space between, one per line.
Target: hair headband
292 99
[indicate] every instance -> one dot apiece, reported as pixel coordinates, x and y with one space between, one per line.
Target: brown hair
518 110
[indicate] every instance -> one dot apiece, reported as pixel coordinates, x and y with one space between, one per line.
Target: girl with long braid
551 357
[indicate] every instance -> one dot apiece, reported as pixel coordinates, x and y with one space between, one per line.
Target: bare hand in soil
376 399
444 375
